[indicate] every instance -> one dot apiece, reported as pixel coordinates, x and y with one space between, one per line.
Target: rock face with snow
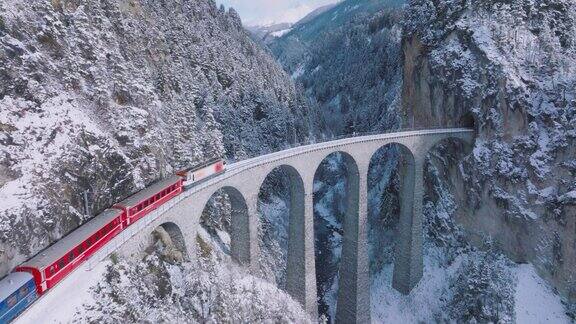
108 96
509 70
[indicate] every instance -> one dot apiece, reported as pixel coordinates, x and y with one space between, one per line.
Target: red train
57 261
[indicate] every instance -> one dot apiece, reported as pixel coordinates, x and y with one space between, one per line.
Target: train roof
12 282
202 165
68 242
148 192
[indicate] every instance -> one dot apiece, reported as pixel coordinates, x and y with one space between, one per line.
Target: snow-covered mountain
108 96
269 32
346 59
315 13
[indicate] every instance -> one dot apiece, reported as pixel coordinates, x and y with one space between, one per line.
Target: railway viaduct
242 181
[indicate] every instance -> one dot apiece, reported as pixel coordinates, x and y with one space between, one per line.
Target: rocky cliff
108 96
506 68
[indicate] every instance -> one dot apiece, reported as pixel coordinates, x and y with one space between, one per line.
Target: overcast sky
261 12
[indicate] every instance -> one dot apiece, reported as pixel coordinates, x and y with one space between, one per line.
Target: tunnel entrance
467 121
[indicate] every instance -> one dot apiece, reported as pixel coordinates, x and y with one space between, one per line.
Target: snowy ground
535 301
61 303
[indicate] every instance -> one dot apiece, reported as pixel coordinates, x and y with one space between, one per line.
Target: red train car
145 201
57 261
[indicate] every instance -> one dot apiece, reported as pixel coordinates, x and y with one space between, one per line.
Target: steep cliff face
108 96
509 70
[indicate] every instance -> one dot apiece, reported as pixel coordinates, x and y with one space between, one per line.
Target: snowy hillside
210 290
347 61
108 96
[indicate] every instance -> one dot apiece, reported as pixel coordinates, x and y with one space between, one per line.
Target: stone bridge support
301 267
354 283
408 263
244 233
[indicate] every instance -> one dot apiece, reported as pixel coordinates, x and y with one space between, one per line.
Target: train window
52 269
23 291
12 301
71 256
61 263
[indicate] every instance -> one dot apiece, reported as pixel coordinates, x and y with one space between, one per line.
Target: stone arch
173 240
240 245
288 180
408 249
347 301
394 206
